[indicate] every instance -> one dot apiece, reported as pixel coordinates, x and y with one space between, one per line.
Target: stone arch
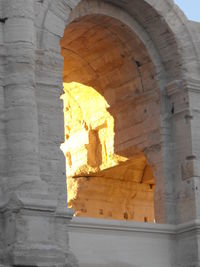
173 27
172 57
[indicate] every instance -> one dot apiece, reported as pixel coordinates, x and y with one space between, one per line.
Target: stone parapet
162 244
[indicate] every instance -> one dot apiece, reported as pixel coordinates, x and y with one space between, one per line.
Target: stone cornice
134 227
173 87
177 86
192 85
125 226
188 227
35 203
29 202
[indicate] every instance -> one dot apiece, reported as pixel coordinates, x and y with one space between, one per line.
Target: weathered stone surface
142 57
101 182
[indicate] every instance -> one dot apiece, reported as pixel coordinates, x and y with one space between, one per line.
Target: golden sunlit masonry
101 184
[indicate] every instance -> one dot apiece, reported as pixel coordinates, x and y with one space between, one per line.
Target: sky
191 8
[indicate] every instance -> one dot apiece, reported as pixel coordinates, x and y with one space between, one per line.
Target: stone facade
163 68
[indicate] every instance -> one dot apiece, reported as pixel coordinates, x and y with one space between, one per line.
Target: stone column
21 109
2 109
183 151
192 161
184 101
33 230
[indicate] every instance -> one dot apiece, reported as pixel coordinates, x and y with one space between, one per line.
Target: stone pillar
184 100
183 152
2 127
34 231
51 122
192 162
2 109
21 110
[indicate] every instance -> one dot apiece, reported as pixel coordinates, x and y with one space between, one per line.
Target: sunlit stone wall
100 183
89 131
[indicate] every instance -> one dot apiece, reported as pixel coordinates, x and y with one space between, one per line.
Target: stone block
29 229
54 24
19 8
190 169
19 30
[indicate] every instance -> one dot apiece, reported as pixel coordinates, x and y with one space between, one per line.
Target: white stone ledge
188 227
114 225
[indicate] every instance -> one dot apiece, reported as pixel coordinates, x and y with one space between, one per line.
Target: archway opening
111 108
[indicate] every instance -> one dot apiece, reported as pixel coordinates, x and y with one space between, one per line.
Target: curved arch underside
169 39
104 54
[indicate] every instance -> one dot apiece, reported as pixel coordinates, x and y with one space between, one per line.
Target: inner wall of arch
111 109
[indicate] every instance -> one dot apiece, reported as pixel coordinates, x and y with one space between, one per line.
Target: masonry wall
112 243
33 186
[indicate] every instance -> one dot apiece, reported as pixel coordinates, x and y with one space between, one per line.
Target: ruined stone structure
107 94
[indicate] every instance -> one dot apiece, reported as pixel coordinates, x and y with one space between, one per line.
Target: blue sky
190 7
